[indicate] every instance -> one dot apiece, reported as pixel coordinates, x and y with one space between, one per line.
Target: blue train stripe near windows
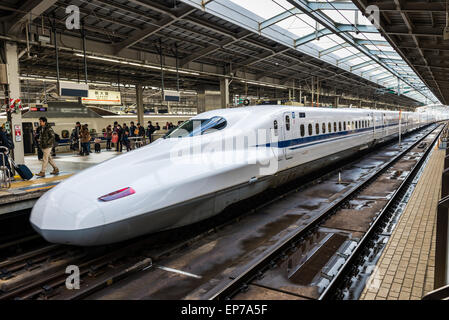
297 141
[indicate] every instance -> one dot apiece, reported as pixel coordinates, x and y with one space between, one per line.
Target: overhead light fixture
140 65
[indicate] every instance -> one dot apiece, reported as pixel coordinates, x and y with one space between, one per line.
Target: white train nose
67 218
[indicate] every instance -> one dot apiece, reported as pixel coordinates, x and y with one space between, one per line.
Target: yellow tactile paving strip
40 181
405 270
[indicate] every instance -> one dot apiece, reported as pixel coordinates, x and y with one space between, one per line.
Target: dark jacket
132 130
150 130
46 137
5 141
141 132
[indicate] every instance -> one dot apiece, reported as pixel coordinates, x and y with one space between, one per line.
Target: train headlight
117 194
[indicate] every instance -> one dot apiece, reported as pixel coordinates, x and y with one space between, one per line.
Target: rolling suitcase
23 171
97 147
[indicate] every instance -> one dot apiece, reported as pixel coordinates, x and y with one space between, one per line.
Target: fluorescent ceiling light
137 64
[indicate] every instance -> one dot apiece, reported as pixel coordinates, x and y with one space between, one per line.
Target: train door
28 137
288 134
277 137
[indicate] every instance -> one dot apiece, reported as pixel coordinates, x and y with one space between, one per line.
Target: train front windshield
198 127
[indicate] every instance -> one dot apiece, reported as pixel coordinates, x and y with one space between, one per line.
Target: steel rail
255 270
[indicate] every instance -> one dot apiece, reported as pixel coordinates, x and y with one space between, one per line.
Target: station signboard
103 97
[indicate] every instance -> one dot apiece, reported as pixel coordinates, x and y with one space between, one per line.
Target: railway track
103 267
341 276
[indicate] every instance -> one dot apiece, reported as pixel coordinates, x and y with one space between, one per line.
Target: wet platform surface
30 190
405 270
195 272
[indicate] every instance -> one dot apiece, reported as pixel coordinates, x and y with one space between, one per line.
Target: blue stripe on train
299 141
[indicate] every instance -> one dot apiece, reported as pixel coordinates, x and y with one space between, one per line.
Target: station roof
339 31
415 30
212 38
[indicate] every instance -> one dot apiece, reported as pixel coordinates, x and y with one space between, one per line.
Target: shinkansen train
213 160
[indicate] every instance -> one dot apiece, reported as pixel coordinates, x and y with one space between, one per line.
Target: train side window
303 131
275 126
360 124
339 126
353 126
65 134
310 129
324 127
356 125
344 125
287 123
335 127
317 128
329 127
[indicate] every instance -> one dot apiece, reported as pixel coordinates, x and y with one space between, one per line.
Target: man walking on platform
46 141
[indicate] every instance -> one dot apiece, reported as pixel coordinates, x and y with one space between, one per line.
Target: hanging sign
70 89
172 96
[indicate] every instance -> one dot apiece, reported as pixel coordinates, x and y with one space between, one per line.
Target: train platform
405 269
23 194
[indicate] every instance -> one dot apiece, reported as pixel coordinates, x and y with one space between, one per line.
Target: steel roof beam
30 9
213 48
349 58
278 18
334 48
312 36
145 33
385 78
337 28
384 53
362 65
373 42
374 68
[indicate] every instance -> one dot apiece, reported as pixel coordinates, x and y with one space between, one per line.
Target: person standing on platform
125 139
150 130
37 135
108 137
5 141
85 140
132 129
46 141
120 137
88 144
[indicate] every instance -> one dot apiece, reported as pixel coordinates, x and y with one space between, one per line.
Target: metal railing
441 249
5 179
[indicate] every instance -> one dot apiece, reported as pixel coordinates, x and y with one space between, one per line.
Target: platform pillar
224 92
12 69
209 100
139 103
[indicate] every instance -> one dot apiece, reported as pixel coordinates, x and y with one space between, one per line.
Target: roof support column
139 104
14 119
224 92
